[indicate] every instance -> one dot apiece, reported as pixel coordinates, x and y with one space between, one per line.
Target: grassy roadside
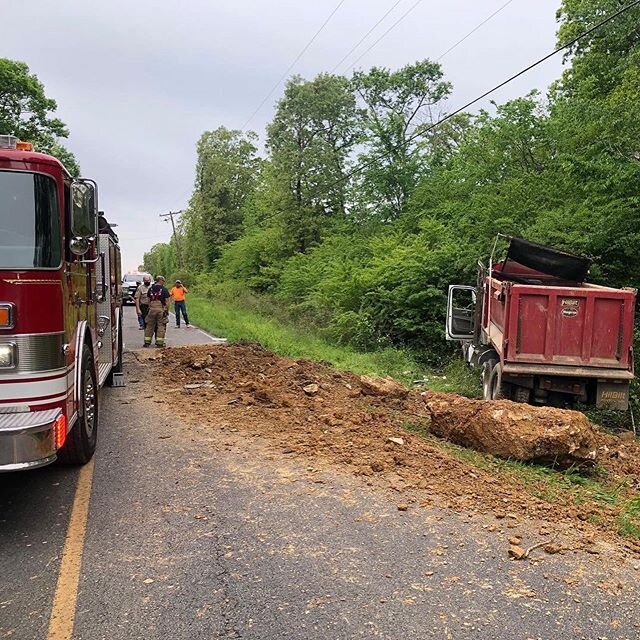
597 490
237 321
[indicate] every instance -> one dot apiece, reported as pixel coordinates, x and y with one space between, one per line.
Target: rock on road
195 534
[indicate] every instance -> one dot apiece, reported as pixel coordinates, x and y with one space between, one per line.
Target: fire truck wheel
498 390
81 440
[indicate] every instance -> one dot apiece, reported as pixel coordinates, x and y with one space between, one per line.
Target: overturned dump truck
539 333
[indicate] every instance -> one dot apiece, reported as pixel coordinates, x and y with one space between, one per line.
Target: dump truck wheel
498 390
487 370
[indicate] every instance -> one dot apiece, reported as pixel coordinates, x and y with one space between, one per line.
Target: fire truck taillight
8 357
60 431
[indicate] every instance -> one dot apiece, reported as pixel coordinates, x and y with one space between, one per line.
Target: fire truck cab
60 310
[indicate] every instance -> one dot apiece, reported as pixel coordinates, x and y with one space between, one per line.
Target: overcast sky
138 81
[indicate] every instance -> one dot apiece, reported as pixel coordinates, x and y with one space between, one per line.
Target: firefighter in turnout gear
158 315
142 301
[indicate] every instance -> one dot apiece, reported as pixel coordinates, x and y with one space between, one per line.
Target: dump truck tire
487 370
498 390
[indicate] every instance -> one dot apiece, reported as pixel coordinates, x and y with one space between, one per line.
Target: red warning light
60 431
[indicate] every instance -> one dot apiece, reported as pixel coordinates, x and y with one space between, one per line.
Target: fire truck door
105 327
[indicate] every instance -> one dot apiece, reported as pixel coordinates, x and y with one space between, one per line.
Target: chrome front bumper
27 439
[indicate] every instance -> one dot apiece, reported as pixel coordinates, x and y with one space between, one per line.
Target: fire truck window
112 261
29 221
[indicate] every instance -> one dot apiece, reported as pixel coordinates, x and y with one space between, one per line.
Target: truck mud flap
612 395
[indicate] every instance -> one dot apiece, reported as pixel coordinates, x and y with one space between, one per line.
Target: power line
403 16
495 13
293 64
365 36
451 48
391 28
422 132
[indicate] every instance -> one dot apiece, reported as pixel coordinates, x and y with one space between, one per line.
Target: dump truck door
461 315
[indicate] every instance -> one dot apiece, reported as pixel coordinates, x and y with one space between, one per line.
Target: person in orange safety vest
178 294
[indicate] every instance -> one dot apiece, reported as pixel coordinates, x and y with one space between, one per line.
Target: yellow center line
63 612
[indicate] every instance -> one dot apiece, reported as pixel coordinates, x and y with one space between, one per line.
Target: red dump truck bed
561 327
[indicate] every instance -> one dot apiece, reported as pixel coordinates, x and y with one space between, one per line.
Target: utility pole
175 235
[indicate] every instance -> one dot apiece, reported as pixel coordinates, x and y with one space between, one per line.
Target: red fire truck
60 310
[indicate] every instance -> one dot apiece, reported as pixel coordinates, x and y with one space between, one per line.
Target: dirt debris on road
310 409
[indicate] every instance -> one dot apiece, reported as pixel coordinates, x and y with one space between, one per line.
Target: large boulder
385 387
513 430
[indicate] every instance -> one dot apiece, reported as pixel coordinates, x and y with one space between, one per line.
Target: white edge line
202 331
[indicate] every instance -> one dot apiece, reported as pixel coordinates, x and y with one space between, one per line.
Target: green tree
600 60
499 180
226 173
310 139
595 115
26 112
397 105
160 259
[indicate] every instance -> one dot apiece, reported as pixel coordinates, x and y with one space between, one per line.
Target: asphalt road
134 337
193 534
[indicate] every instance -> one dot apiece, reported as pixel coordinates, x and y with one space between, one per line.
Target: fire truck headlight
7 356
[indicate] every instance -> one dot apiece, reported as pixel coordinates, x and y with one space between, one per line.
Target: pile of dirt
620 455
376 429
513 430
